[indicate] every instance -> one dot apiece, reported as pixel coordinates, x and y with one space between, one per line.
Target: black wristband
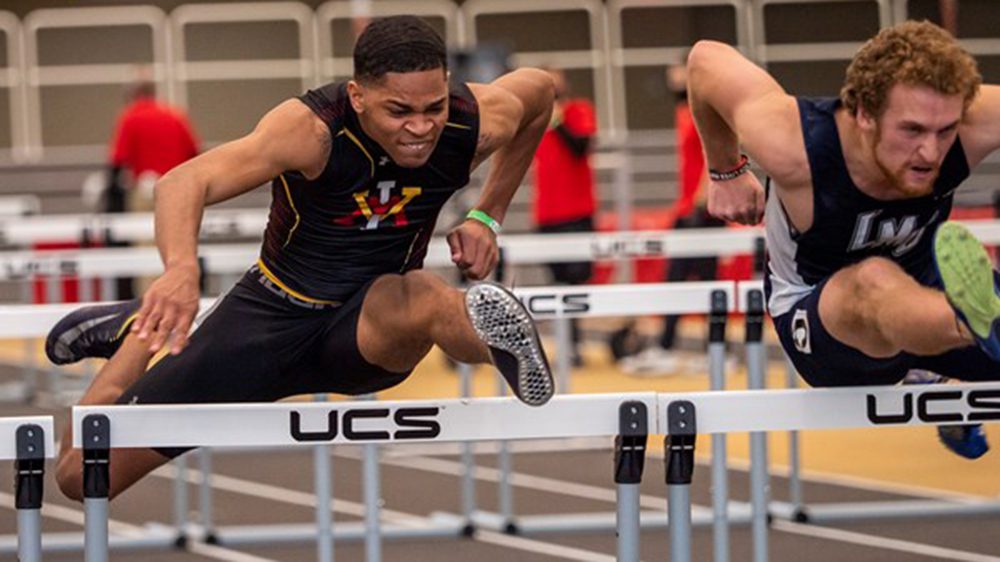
742 168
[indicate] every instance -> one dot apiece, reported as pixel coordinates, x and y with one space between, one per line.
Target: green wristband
477 215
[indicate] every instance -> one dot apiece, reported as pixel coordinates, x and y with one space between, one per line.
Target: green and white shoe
967 274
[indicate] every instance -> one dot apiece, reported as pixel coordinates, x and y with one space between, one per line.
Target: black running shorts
258 345
822 360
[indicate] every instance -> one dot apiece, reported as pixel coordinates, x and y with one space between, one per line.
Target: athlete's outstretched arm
980 130
289 137
514 111
737 104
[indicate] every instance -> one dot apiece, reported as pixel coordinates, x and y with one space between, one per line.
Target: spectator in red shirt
565 198
149 139
689 212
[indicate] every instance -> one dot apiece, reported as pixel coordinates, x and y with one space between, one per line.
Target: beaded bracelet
739 170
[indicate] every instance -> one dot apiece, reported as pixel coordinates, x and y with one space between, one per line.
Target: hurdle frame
503 415
679 415
798 510
775 507
28 441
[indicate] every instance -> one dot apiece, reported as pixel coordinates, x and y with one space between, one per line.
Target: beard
897 178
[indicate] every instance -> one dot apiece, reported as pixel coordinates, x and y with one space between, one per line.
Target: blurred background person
150 138
949 15
689 211
565 199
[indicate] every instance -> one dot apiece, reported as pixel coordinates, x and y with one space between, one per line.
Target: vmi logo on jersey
405 423
902 234
548 305
382 207
947 406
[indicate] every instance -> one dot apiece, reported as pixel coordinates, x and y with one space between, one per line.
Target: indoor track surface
274 487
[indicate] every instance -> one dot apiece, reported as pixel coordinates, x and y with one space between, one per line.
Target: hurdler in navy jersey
364 216
866 279
848 225
337 302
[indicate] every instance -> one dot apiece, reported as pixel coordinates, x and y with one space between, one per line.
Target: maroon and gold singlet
363 216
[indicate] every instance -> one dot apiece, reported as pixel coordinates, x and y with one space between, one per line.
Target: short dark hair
398 44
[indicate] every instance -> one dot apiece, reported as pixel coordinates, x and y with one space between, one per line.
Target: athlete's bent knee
69 475
873 276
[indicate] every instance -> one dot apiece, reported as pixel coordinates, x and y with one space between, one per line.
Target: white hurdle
679 416
544 303
682 416
798 509
100 428
28 441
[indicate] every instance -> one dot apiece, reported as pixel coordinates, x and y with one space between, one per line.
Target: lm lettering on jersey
384 206
901 235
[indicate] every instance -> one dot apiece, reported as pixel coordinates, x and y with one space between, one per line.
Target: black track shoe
92 331
503 323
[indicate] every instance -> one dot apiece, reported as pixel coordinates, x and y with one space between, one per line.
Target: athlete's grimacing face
404 112
913 135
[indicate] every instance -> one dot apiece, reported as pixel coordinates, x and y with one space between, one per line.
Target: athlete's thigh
821 359
400 314
235 355
338 364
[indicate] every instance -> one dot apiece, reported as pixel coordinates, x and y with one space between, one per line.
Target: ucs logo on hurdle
549 304
947 406
634 247
405 424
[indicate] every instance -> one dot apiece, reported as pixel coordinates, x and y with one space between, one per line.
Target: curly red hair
912 53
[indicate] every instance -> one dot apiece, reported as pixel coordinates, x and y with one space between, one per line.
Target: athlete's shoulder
330 102
462 99
463 107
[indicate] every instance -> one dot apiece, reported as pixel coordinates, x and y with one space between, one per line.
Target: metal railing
607 56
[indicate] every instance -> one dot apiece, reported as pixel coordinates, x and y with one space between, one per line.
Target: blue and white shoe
502 322
965 440
91 331
967 273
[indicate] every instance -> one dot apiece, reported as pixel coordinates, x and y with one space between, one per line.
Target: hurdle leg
505 492
758 440
180 501
29 470
468 486
795 496
324 519
205 505
371 491
322 484
30 367
679 448
54 378
630 455
96 432
717 377
564 357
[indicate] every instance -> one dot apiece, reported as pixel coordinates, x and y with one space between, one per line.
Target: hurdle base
346 532
151 537
739 514
155 536
870 511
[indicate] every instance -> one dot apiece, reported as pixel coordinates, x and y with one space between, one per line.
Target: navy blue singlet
848 225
